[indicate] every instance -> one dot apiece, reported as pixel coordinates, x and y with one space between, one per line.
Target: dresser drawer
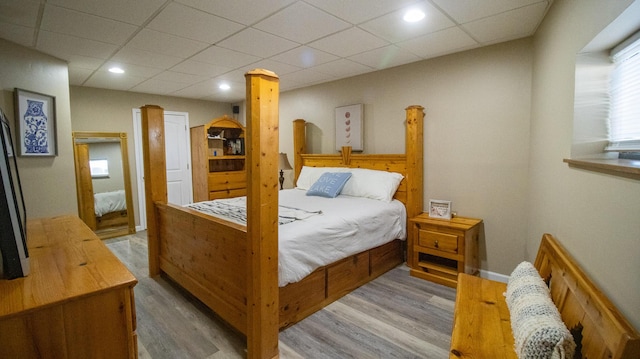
221 181
437 240
227 193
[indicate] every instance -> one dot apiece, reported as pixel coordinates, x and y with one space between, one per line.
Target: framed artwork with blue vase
35 123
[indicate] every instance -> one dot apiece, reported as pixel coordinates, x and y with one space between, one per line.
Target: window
624 111
99 168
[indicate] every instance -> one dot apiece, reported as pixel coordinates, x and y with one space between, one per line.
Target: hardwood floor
394 316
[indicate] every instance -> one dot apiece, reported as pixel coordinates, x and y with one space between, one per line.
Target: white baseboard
494 276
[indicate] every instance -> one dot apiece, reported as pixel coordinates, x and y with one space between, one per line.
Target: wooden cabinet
218 160
77 302
439 249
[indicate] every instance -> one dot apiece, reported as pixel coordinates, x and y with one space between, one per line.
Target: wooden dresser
77 302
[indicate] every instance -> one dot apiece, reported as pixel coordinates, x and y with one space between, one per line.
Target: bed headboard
586 311
409 164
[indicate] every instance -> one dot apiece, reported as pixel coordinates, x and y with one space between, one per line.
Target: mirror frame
122 137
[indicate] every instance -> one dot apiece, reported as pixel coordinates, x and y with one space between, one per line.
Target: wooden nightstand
439 249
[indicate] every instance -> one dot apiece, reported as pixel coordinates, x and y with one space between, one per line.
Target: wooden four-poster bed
233 268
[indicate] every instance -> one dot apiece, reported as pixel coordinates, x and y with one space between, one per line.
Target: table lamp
284 165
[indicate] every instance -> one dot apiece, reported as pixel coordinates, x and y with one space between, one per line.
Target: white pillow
380 185
309 175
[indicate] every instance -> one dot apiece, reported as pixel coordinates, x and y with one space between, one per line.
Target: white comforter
346 226
107 202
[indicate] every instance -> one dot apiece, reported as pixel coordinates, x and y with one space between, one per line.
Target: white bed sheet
346 226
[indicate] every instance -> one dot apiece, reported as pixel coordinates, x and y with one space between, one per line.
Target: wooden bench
482 327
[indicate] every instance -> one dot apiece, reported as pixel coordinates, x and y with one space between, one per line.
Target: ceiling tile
246 12
358 11
464 11
159 87
16 33
178 77
132 55
132 12
289 22
393 28
257 43
56 19
20 12
304 57
385 57
343 68
61 45
439 43
180 20
304 77
131 69
107 80
77 76
200 68
349 42
198 90
217 55
167 44
85 62
507 25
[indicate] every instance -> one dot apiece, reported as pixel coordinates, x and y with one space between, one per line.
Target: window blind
624 113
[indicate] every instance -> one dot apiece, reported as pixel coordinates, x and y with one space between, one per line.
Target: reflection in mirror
103 182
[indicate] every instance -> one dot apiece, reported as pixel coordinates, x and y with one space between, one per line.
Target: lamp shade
284 162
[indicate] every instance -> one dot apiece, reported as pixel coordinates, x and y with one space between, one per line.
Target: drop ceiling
187 48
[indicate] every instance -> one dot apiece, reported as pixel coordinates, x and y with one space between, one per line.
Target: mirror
103 182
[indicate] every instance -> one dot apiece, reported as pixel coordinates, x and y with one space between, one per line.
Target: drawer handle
435 243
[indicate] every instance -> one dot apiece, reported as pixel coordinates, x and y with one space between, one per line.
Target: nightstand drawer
437 240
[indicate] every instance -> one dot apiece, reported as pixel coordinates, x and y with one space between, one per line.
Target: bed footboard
205 255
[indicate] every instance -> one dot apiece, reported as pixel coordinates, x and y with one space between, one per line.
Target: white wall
594 215
48 183
476 133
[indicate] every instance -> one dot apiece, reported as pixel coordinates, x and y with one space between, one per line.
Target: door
178 152
178 158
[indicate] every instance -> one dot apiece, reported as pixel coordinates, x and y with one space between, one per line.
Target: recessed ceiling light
116 70
413 15
224 87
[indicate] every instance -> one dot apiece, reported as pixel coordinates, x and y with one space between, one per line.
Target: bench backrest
605 332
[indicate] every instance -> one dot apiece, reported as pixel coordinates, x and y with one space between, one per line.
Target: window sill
615 167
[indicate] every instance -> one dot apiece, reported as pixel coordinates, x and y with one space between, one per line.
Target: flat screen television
13 216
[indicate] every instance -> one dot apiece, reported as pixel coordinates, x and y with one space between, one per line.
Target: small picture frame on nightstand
439 209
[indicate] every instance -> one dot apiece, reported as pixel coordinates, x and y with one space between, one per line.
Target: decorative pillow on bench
538 329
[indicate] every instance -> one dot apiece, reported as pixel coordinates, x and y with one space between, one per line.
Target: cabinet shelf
223 137
439 268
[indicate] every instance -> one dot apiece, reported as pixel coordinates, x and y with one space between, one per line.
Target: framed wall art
349 127
35 123
439 209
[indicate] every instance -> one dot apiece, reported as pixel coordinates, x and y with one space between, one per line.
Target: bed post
262 214
415 156
155 184
299 146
